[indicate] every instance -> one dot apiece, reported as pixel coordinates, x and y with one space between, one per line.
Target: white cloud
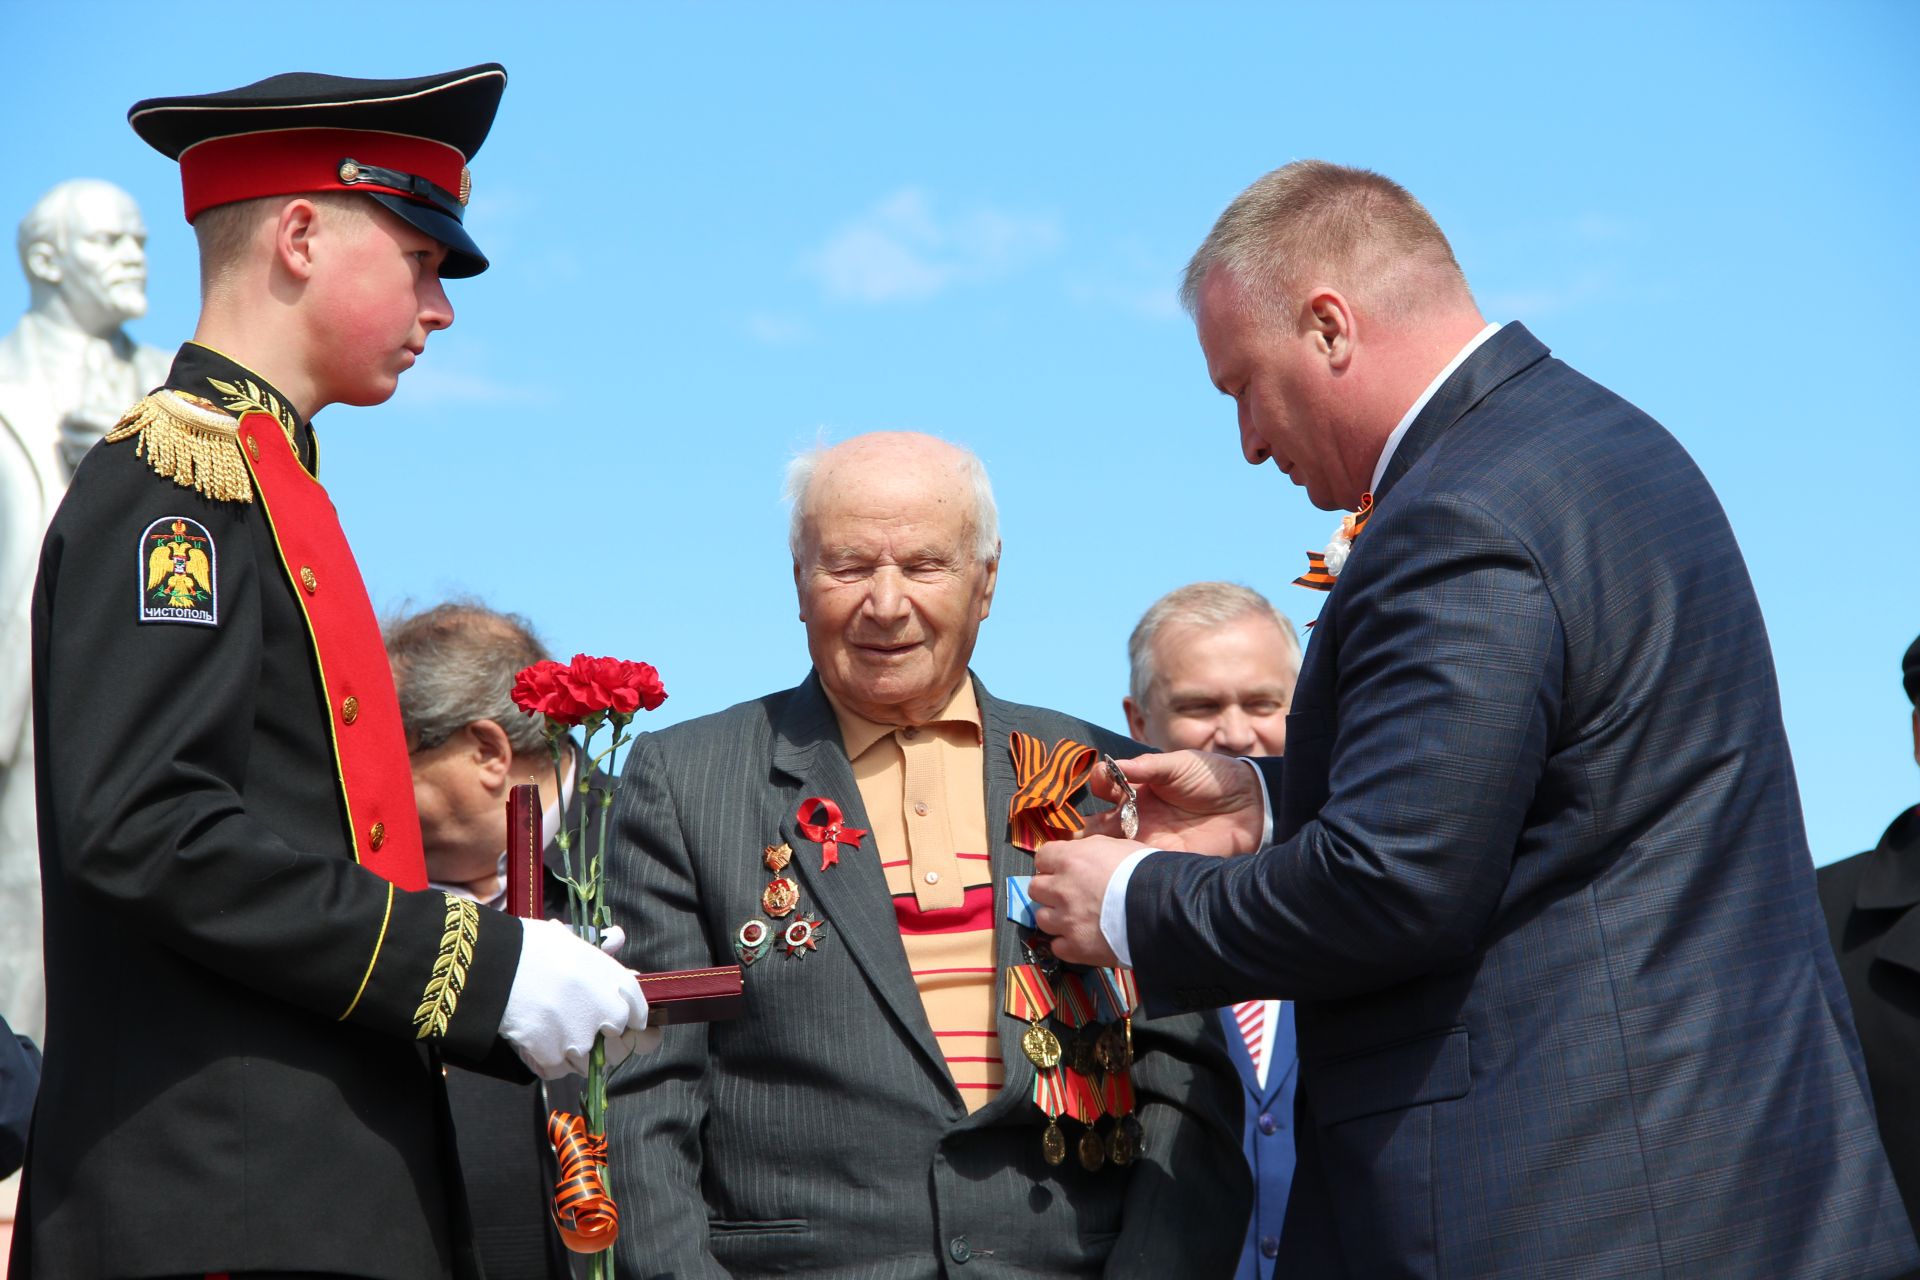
776 330
901 251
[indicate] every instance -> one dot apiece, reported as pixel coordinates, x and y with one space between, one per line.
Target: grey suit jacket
821 1132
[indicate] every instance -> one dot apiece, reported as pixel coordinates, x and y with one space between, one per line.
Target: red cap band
286 162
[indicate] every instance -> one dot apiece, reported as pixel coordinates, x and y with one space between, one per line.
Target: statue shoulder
190 442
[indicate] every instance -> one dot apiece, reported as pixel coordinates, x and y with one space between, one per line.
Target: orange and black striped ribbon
1316 576
1045 781
589 1221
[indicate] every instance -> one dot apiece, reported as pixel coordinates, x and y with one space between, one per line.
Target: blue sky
721 232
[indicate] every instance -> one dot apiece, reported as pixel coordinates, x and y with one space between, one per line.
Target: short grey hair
1365 232
1208 604
454 664
985 516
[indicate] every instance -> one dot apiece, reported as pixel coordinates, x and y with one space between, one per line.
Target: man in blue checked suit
1536 873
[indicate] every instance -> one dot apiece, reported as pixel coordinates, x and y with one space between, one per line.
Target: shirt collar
858 734
1399 432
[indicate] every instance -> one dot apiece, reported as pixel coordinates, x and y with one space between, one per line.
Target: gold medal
1041 1046
1120 1145
777 856
1093 1152
1053 1143
1113 1050
780 897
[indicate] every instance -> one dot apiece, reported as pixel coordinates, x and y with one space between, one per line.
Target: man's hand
1194 801
566 992
1069 885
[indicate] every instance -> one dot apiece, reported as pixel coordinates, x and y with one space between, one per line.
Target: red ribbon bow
588 1220
829 833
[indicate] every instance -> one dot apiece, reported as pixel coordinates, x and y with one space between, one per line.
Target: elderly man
1212 667
66 372
453 669
874 1112
1537 877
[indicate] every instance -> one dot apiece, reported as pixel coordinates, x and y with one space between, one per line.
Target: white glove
566 992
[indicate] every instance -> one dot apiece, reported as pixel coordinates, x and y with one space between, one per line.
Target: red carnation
569 694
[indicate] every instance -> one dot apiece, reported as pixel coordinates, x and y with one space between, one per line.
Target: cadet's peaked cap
406 143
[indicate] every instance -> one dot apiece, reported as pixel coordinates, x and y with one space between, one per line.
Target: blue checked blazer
1566 1005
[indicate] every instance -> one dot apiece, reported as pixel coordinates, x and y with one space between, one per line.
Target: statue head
83 246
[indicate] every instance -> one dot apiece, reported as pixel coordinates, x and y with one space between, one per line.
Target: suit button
307 580
960 1250
377 836
1269 1246
350 709
1268 1124
920 808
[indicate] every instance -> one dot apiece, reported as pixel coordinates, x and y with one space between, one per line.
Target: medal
751 941
1093 1152
780 897
1112 1050
1053 1143
777 856
1083 1054
1129 798
1120 1148
1041 1046
1039 953
1050 1095
802 936
1030 998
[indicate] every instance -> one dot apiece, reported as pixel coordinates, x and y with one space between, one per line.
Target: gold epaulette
191 443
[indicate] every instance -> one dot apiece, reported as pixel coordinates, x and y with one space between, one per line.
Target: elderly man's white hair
985 516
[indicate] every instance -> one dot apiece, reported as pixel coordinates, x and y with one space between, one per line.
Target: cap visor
463 255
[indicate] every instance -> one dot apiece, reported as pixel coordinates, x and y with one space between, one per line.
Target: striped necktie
1252 1017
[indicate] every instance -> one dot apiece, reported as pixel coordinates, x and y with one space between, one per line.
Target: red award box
673 997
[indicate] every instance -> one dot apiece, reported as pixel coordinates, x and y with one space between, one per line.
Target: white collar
1393 441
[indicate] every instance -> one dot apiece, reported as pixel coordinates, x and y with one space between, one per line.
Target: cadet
250 986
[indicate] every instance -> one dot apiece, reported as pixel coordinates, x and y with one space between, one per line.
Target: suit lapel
1005 861
1499 358
851 896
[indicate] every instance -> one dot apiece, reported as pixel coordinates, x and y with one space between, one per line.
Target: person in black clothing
453 669
1872 902
251 987
19 1078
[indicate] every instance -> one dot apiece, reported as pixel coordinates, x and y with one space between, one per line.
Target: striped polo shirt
924 789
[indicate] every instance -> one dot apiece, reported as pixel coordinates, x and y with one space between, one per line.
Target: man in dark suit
1537 877
1212 666
453 670
1873 915
873 1113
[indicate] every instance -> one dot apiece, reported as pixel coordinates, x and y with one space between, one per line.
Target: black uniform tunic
236 1077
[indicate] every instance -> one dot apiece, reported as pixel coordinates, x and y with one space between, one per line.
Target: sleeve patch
178 578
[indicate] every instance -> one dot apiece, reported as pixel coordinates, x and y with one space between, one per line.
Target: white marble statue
68 370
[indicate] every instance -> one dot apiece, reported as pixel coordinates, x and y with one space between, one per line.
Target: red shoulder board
369 746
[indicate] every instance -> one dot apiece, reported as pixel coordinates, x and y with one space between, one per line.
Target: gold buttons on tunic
307 580
377 836
350 709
